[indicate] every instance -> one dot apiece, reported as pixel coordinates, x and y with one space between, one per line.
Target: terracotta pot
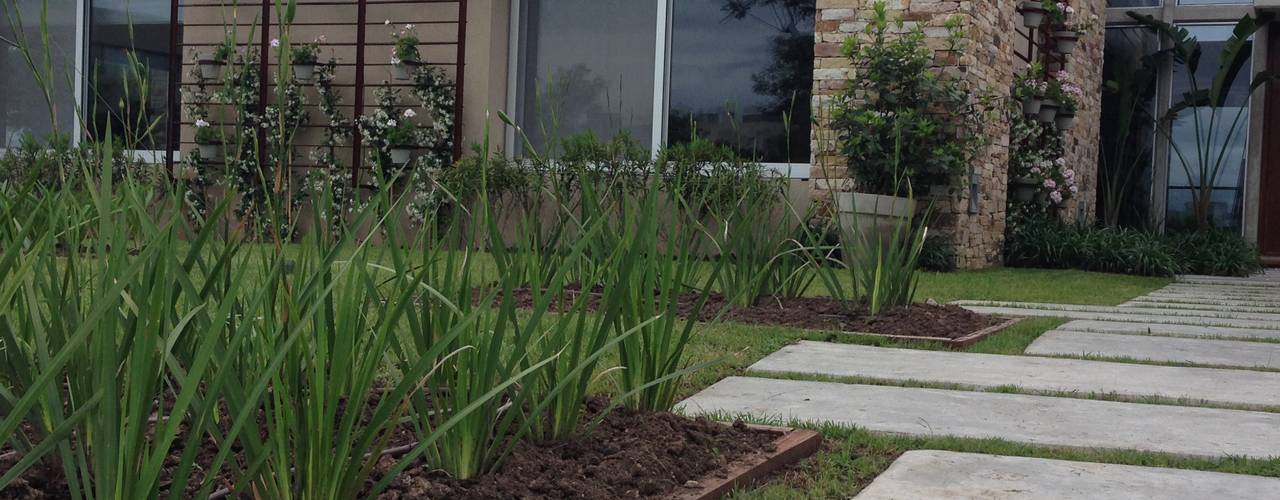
404 70
1031 105
1064 121
210 152
304 72
1032 14
1048 111
401 155
210 69
1022 189
1066 41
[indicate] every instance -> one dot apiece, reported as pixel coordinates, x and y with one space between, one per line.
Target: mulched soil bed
629 454
822 313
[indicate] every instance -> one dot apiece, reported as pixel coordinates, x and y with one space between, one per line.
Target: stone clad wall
990 64
1084 69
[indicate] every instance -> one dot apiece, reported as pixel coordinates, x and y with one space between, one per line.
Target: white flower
387 22
408 27
1070 10
201 123
320 38
275 42
408 113
391 123
395 60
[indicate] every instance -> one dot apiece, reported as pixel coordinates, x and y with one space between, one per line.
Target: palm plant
1214 133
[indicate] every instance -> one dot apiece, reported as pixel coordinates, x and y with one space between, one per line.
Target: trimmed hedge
1048 243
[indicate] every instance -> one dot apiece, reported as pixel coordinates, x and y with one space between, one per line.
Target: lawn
1036 285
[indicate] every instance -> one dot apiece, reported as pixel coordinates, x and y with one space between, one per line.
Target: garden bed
630 454
948 324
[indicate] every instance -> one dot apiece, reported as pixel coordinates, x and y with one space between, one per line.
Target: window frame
516 64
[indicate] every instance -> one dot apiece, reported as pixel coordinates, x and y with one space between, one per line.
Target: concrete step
1130 316
988 371
1126 328
1272 317
1163 349
1037 420
1261 281
1228 290
1223 308
1166 300
949 475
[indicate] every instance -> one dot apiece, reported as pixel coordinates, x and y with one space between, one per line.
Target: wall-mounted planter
1031 105
1032 14
1064 120
1066 41
404 69
210 69
304 72
1023 189
210 152
400 155
1048 111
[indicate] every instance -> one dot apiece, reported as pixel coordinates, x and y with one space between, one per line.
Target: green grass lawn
1036 285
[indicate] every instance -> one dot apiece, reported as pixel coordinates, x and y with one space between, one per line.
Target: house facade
755 74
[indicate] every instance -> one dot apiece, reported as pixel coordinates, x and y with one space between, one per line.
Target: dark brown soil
629 455
822 313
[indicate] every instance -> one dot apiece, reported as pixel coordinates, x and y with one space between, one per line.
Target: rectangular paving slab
1225 307
1163 349
1195 314
1039 420
1127 316
1126 328
1210 299
1027 372
1268 281
949 475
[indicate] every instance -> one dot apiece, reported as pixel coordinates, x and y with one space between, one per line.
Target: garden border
956 343
791 446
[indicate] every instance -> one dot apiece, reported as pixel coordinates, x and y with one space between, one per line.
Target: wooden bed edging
791 446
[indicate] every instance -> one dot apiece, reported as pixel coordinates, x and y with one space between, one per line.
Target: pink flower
1056 197
1048 183
275 42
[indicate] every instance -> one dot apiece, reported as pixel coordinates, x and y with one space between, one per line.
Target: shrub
938 254
1048 243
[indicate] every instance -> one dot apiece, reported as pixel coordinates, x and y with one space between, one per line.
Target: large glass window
129 70
1203 141
741 74
1128 118
588 67
737 72
24 110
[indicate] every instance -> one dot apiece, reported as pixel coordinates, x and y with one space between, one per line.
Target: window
729 69
23 107
129 71
1128 119
1191 126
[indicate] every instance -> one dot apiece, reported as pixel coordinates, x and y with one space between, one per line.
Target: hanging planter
1064 120
404 69
1048 111
210 151
1032 14
1066 41
210 69
1023 189
304 73
401 155
1031 104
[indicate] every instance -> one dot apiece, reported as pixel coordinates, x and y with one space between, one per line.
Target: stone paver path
1228 322
1042 420
1156 348
945 475
989 371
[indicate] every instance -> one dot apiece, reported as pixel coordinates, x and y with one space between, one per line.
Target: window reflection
129 70
1188 142
1127 134
23 107
737 66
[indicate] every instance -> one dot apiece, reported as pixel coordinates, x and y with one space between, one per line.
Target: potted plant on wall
405 58
211 66
1033 13
1029 88
1068 96
1049 107
904 125
402 138
303 58
208 140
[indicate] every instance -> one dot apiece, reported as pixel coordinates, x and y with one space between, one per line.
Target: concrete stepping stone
1226 290
1257 281
1162 349
987 371
1125 310
1037 420
1223 308
1127 315
1125 328
949 475
1156 298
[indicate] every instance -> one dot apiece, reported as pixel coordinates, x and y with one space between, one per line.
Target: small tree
1213 134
